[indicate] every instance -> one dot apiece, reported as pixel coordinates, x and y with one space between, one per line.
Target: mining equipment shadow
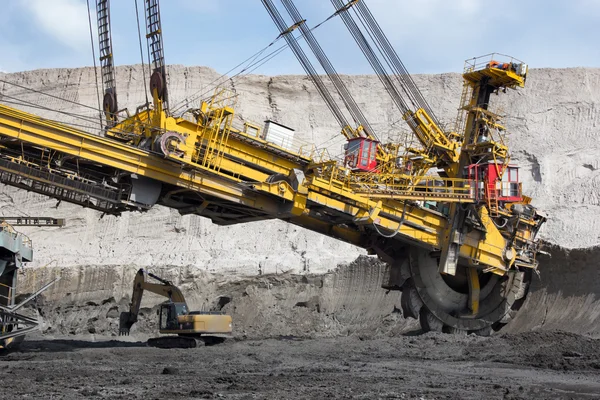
64 345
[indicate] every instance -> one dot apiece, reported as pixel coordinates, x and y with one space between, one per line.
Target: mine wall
566 294
346 301
280 280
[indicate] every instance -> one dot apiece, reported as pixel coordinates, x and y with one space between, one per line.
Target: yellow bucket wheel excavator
447 212
183 328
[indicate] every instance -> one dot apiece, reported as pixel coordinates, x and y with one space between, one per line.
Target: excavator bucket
126 321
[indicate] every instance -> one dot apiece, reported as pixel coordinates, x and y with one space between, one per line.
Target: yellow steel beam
243 150
413 223
46 134
407 221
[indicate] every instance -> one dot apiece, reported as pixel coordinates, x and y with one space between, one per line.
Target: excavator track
184 342
441 303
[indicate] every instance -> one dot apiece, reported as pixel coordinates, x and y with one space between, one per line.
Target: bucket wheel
441 302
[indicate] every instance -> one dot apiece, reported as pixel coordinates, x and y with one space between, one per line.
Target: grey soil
537 365
355 343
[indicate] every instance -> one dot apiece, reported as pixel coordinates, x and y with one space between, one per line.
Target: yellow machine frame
198 163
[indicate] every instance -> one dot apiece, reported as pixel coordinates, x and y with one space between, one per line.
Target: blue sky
430 36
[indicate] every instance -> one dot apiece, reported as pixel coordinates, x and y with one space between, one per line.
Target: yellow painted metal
432 137
34 130
205 154
207 324
187 323
221 179
482 135
498 77
6 343
474 290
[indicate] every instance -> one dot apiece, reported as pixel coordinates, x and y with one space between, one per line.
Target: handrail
6 227
482 62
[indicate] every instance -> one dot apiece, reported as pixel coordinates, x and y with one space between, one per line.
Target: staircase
465 101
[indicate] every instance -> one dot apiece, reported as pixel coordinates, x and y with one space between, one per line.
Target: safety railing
425 188
396 186
404 186
482 62
9 230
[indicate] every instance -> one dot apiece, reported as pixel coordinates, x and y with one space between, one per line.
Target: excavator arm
140 284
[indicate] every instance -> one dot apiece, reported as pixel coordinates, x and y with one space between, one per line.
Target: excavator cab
360 154
169 313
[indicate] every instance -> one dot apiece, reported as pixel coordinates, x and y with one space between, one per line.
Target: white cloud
64 20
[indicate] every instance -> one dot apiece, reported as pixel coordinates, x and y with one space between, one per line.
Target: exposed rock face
566 294
554 126
89 300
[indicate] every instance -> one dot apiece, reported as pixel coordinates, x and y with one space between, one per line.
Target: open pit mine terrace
310 317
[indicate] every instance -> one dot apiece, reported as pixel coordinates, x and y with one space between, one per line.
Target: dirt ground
536 365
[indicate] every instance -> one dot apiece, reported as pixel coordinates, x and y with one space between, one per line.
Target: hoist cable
345 95
137 17
305 62
248 69
49 95
389 54
201 92
94 58
370 55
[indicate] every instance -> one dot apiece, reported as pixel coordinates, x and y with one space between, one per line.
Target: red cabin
490 185
360 154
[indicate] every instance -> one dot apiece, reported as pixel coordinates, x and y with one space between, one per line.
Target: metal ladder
465 100
217 133
492 200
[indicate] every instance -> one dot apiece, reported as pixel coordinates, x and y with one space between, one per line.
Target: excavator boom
140 285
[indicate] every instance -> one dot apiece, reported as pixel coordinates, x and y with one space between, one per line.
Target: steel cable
94 58
388 52
346 96
253 66
305 62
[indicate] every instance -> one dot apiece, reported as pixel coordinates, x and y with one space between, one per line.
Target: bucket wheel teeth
410 301
429 322
523 290
510 314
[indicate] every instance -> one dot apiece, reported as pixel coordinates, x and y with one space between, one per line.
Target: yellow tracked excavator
184 328
446 211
